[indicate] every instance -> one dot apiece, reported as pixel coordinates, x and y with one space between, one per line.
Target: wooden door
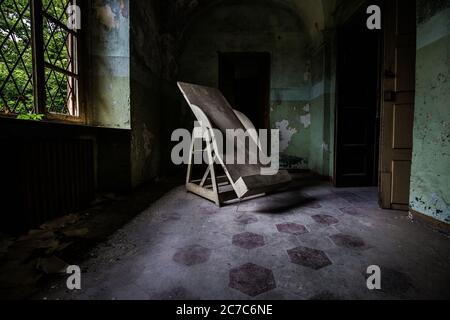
398 106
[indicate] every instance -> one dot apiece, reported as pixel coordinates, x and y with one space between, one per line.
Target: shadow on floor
29 261
291 197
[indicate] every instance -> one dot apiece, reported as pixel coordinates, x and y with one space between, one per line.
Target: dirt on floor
29 262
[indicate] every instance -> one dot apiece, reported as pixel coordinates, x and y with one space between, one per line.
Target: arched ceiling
315 14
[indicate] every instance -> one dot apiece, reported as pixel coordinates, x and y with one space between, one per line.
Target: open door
398 106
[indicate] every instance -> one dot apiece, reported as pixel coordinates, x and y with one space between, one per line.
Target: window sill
55 120
49 118
61 118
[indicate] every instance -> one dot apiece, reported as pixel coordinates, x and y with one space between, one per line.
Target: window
38 59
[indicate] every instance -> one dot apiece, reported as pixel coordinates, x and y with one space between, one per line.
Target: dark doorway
244 79
357 113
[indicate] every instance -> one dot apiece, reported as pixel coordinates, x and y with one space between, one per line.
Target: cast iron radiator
44 179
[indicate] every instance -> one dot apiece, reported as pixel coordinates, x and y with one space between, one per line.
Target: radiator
44 180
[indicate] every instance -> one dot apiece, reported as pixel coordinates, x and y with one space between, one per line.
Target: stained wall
109 98
125 69
430 176
254 27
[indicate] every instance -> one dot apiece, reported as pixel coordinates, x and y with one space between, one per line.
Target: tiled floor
315 242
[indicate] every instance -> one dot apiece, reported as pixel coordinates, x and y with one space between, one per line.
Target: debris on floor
29 261
51 265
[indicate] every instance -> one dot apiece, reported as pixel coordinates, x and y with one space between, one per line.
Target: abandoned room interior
91 93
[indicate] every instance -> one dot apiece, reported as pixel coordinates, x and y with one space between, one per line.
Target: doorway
375 103
244 79
357 110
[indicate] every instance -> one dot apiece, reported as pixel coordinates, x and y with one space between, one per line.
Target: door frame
263 55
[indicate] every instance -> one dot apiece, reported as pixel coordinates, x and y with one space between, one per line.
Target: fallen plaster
33 260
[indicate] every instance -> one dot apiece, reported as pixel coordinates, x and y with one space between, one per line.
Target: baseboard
430 222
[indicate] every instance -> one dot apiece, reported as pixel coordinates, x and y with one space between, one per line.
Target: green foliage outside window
16 61
17 92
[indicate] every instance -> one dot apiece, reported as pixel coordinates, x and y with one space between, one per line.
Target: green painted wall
110 61
430 177
125 84
256 27
320 151
322 102
318 146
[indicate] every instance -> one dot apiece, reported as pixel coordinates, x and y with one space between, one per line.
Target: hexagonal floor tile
348 241
307 257
292 228
248 240
395 282
325 219
252 279
350 211
192 255
246 219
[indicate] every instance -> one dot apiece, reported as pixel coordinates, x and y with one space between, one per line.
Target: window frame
39 65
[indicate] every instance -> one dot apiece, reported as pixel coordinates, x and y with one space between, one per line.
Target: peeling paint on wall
306 120
298 146
124 9
286 134
107 17
110 55
239 27
430 171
